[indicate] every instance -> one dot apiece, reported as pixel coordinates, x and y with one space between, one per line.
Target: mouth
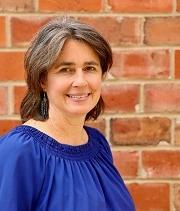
78 96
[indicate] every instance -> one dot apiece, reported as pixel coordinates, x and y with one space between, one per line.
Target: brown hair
44 51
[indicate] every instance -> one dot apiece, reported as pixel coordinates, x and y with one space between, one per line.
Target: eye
66 70
90 68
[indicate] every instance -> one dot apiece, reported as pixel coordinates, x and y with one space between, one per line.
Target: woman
53 161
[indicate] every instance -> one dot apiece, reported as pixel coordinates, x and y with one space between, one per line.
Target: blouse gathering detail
40 174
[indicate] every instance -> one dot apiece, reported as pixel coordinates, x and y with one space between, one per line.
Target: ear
104 76
43 84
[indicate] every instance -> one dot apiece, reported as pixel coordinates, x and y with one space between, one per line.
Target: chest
90 185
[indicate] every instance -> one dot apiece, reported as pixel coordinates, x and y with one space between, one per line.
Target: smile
74 96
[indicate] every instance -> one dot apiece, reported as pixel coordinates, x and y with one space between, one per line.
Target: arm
18 175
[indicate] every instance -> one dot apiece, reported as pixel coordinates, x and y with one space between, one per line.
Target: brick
118 31
120 98
178 5
24 28
162 98
177 134
176 193
141 64
2 32
126 163
162 31
134 6
3 100
19 93
11 66
16 5
161 164
69 5
177 64
140 131
150 196
100 124
6 125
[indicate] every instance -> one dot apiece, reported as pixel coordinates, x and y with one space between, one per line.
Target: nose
79 78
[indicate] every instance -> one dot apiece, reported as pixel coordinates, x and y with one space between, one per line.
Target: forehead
77 51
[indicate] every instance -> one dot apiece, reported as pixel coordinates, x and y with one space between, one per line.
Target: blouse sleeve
20 175
104 143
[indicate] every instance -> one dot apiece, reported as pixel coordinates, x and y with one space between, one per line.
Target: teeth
78 96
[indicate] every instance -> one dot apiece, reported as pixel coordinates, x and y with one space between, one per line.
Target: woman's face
73 84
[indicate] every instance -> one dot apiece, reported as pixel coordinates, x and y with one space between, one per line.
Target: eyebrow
72 63
92 63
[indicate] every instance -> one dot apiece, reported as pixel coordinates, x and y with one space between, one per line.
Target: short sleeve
103 141
20 175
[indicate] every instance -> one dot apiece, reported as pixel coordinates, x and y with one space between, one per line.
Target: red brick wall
142 92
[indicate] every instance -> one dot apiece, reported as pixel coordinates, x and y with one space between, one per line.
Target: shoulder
22 168
98 136
16 143
94 132
15 138
19 153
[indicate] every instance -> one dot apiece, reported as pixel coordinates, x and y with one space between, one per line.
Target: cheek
55 85
96 83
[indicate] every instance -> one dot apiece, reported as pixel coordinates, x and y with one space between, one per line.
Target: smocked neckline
73 152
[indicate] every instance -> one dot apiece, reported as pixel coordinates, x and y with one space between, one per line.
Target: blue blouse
40 174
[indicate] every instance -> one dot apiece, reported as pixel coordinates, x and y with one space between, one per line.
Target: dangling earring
44 106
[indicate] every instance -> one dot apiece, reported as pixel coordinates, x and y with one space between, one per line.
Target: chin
80 112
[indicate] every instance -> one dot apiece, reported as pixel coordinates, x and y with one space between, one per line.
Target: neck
67 130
